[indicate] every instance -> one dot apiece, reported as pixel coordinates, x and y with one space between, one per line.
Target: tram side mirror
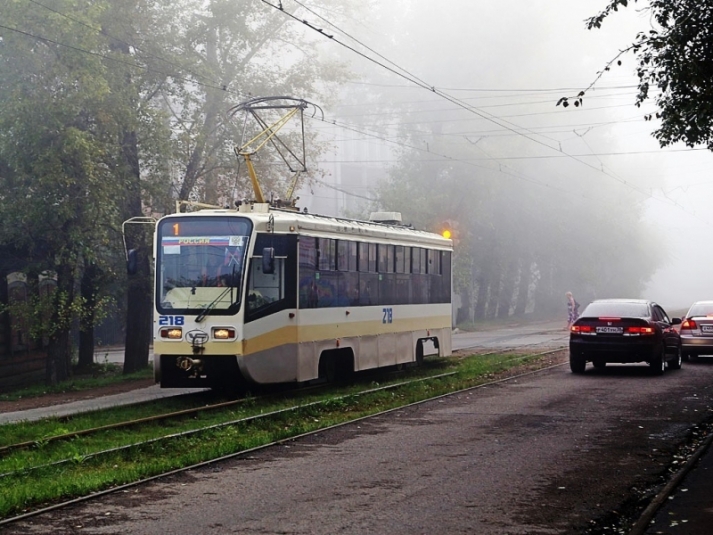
132 262
268 260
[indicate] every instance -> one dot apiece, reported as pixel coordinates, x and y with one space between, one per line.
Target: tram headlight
172 334
223 333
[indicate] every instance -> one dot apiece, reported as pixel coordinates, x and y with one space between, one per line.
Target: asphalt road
547 453
540 336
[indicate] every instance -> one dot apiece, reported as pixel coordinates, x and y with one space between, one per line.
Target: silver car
697 330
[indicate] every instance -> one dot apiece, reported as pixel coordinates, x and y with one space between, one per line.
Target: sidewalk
114 354
134 396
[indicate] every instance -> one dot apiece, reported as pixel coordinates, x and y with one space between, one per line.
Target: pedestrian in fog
572 310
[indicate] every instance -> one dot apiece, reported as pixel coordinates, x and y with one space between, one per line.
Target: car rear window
617 310
700 309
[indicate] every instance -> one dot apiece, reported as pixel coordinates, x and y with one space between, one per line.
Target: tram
264 295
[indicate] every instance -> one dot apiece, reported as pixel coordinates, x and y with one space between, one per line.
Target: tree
676 58
58 131
112 110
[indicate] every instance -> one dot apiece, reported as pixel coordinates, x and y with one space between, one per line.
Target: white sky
543 44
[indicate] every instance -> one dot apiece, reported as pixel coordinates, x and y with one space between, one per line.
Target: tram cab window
268 293
263 288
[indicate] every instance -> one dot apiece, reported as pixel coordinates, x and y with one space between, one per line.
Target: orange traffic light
449 229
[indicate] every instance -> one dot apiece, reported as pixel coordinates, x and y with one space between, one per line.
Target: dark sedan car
624 331
697 330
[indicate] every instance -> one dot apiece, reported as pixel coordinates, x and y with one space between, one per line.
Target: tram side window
352 255
399 249
327 254
363 257
384 257
372 258
415 260
434 262
342 258
308 267
327 279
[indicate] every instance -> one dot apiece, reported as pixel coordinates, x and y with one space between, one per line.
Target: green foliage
675 64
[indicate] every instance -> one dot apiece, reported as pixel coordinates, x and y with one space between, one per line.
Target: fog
513 60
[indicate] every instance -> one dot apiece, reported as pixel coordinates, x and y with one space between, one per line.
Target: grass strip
85 474
99 375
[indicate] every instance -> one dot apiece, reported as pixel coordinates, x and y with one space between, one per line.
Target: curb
644 521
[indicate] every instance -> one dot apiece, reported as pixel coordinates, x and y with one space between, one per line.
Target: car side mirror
268 260
675 321
132 261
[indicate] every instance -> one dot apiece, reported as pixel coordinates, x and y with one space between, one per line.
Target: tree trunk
58 364
58 358
507 289
138 308
86 326
523 289
482 298
496 279
463 313
138 316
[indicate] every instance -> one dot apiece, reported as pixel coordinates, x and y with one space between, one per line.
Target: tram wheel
419 353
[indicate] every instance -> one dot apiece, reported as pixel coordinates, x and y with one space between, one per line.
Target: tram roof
327 226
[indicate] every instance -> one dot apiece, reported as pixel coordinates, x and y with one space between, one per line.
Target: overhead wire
399 71
395 70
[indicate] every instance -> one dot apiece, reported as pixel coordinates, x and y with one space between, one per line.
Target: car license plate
610 330
707 328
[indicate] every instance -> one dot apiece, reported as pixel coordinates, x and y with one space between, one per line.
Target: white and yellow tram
264 295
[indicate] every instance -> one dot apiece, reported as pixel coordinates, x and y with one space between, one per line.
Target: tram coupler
188 364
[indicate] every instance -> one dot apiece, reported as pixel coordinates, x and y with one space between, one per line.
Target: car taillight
689 324
581 328
640 330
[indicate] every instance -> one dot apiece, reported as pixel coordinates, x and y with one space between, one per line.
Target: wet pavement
687 511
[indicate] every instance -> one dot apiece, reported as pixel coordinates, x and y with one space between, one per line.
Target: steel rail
246 419
264 446
185 412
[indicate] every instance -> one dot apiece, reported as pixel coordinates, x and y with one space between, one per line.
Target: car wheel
675 364
577 363
599 364
657 364
686 357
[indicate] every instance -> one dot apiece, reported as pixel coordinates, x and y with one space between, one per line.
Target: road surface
547 453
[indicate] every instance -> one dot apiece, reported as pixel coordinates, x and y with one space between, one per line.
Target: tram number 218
170 320
388 315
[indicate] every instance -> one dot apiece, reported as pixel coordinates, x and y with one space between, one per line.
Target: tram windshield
200 263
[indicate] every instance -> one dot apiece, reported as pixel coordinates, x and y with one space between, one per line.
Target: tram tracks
6 449
270 426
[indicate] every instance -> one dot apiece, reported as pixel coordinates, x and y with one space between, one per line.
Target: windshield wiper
214 302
